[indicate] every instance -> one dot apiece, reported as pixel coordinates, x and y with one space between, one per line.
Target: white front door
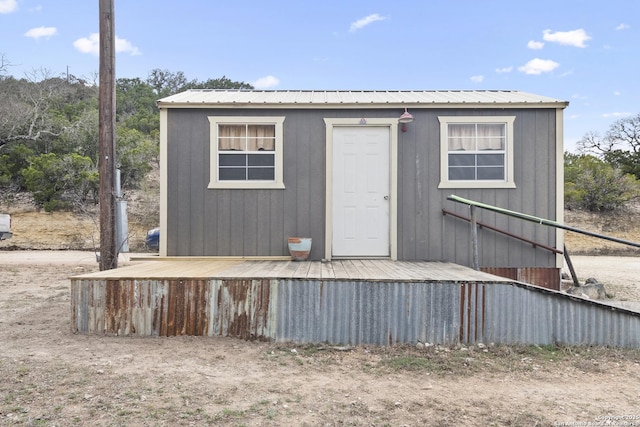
361 191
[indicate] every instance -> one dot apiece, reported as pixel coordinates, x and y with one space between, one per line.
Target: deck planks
344 269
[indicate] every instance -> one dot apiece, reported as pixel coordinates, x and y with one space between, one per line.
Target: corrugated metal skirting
348 312
545 277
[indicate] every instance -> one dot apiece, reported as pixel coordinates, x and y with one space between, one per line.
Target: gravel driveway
620 276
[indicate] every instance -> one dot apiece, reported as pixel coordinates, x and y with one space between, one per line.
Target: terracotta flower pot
299 248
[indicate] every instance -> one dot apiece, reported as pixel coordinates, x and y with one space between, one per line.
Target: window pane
491 173
261 174
261 160
476 149
490 159
462 130
232 174
232 131
490 144
462 159
232 137
491 129
462 174
261 138
491 136
232 159
461 144
462 137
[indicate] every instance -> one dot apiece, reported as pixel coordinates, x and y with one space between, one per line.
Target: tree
49 131
60 182
623 134
165 83
15 158
595 185
36 110
4 64
620 146
135 153
221 83
136 106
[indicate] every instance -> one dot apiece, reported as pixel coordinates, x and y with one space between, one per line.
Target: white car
5 227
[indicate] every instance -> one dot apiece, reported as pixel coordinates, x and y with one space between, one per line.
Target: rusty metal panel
140 307
238 308
349 312
472 312
243 308
545 277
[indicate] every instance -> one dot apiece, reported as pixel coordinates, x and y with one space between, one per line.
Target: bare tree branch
626 133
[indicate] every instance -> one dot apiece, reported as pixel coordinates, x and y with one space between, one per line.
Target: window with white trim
246 152
476 152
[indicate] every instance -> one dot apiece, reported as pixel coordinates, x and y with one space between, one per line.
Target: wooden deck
352 302
367 270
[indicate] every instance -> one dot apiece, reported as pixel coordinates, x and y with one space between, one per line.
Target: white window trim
278 121
444 152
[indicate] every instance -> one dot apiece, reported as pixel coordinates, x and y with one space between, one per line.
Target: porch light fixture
405 118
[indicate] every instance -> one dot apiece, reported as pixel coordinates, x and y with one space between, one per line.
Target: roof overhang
244 99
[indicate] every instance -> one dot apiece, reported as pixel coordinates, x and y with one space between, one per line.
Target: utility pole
106 138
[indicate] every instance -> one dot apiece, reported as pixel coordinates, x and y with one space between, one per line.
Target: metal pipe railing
506 233
541 221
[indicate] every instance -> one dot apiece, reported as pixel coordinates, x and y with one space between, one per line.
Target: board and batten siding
424 233
242 222
257 222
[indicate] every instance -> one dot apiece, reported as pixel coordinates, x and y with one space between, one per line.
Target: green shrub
595 185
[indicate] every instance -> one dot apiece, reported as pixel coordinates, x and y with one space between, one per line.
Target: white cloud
535 45
504 70
574 38
124 45
538 66
574 116
622 26
8 6
266 82
477 79
361 23
616 92
91 45
616 114
46 32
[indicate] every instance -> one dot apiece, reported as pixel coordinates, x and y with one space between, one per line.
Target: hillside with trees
49 133
49 146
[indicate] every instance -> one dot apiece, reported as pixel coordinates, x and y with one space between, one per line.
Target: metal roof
197 98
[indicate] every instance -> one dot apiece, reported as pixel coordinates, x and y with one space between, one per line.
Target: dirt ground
55 378
51 377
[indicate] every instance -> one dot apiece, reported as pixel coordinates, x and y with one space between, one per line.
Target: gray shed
244 170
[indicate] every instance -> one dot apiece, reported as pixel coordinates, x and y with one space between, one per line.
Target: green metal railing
474 228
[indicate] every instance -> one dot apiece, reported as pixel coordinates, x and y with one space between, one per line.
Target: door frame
392 125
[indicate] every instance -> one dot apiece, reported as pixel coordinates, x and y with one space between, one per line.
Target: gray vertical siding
203 222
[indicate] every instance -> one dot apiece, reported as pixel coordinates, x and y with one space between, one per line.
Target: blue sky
586 52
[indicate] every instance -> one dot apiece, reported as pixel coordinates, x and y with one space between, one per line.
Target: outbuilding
365 175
